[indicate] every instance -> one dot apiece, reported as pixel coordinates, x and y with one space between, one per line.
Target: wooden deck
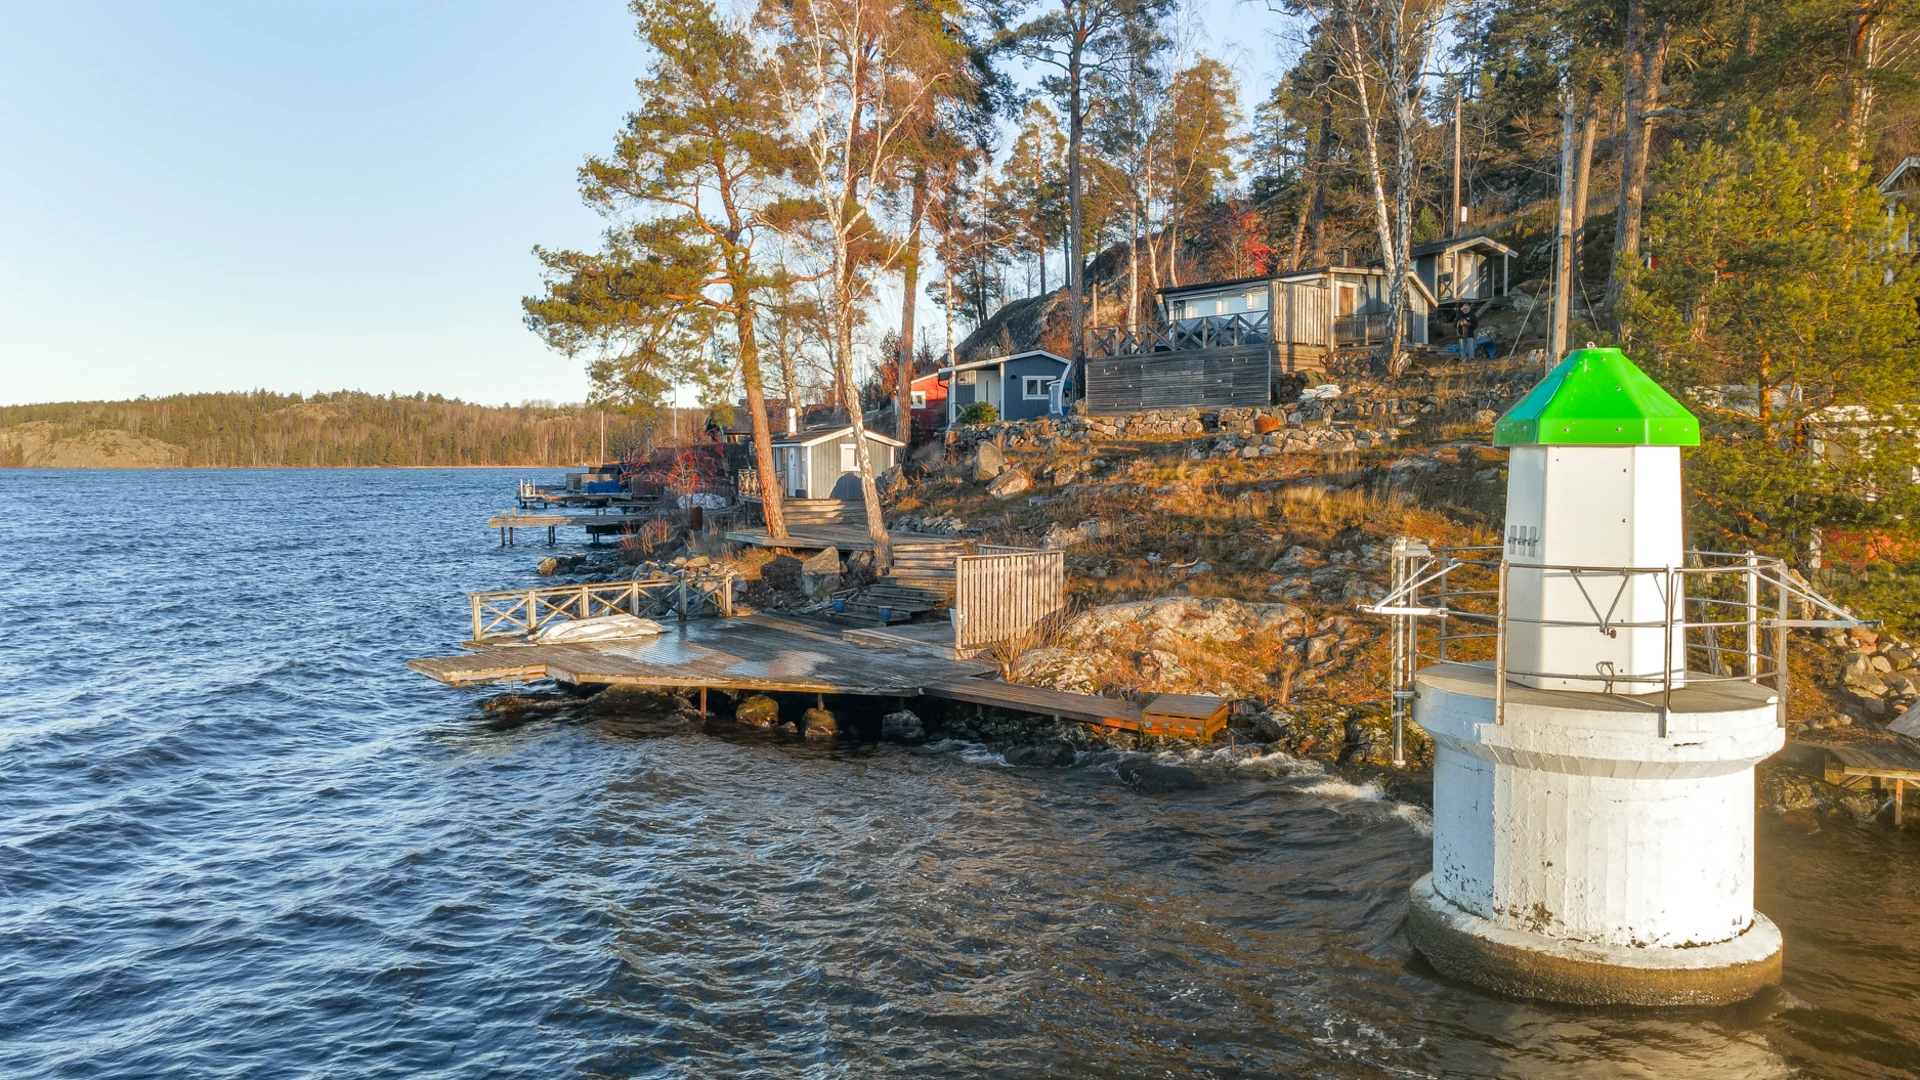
758 652
768 653
1896 761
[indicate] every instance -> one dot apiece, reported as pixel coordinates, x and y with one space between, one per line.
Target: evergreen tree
1779 295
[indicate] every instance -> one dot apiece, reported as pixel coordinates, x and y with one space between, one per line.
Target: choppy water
237 838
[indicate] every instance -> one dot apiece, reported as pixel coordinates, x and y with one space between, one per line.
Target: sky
206 196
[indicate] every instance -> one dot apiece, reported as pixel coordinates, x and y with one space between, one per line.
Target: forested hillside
348 428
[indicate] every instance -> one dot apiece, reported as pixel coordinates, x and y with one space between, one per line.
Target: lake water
241 840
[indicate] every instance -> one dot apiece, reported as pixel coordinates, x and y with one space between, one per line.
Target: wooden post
533 622
1899 797
683 597
476 617
703 703
726 597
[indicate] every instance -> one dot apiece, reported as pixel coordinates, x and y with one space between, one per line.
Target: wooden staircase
804 512
920 581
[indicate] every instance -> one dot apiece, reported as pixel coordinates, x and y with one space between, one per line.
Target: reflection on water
241 839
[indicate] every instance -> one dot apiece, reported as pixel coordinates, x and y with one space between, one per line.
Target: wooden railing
1369 328
748 483
1303 318
1207 332
522 612
1003 593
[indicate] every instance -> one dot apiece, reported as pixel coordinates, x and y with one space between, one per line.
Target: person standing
1466 324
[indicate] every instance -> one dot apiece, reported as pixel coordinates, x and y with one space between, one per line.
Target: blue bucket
839 606
886 615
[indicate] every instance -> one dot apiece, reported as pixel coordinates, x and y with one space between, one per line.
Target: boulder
988 462
781 572
820 574
757 711
903 726
1156 779
1047 755
1010 483
819 724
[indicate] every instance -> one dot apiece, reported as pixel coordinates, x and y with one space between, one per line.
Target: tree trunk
1133 265
1076 257
1563 233
1382 219
1863 52
1317 216
1643 63
910 270
770 492
1583 168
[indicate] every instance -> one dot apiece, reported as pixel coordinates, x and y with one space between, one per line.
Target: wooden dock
1856 762
597 525
771 654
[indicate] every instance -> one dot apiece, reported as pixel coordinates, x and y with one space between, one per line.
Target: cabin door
796 472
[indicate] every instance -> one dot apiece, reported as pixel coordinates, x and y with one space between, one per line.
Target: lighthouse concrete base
1520 963
1595 848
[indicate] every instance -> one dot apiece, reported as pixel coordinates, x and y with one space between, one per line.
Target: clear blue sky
220 196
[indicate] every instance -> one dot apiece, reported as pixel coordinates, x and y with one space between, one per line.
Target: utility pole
1563 232
1459 211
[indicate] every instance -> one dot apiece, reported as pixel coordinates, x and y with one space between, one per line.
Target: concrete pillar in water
1593 829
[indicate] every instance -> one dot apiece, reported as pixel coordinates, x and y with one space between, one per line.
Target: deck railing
1003 593
1206 332
512 613
1368 328
748 482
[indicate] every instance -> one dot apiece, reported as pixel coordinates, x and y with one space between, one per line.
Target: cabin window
848 461
966 378
1034 387
919 398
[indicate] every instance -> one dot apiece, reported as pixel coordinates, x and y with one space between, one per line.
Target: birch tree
854 77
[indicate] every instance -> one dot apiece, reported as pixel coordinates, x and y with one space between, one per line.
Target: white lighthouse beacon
1593 817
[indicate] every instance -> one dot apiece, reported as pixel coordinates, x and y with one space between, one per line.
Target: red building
929 395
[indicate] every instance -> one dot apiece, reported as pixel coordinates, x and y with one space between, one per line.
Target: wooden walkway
1896 761
843 537
767 653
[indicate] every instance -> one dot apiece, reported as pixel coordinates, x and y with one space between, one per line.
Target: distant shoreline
266 468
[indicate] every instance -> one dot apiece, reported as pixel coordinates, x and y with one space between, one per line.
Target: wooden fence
1002 593
515 612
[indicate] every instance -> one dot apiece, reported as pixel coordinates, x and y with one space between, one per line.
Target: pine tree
1780 298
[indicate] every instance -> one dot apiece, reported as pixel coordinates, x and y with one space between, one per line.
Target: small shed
820 462
1463 270
1023 386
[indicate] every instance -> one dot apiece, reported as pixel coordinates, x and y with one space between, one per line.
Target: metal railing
513 613
1724 618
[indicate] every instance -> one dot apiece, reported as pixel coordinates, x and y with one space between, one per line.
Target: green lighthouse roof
1597 397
